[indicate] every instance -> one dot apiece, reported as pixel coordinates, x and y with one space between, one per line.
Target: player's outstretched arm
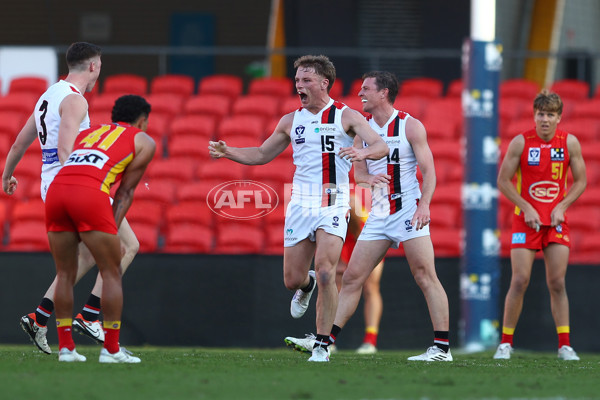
24 139
268 150
355 124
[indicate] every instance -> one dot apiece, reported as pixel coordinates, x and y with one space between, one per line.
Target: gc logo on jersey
557 154
533 156
299 132
92 158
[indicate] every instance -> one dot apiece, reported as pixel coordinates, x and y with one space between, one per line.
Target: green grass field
209 373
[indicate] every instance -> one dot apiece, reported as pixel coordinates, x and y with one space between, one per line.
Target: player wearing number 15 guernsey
321 133
541 158
78 208
59 115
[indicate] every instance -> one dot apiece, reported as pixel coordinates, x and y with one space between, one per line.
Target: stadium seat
258 105
516 127
421 87
100 117
188 239
449 194
21 103
30 167
146 212
571 89
239 239
201 126
188 212
221 84
32 210
167 104
194 191
158 126
186 146
455 89
28 84
448 170
125 84
583 218
438 128
241 125
179 170
11 124
520 88
587 109
413 105
587 130
28 236
274 240
214 105
156 190
510 108
182 85
147 235
221 170
445 216
104 102
280 170
337 90
447 149
272 86
289 104
447 242
354 103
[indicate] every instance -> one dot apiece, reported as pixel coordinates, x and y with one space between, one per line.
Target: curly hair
129 108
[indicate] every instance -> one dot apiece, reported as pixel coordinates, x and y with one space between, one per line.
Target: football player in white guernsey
59 115
321 133
400 211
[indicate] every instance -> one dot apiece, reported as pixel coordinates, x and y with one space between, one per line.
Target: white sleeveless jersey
400 164
47 121
321 177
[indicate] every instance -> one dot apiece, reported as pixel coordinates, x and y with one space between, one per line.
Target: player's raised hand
217 149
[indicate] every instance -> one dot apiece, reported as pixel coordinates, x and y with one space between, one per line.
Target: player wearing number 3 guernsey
540 158
59 115
78 208
321 133
399 212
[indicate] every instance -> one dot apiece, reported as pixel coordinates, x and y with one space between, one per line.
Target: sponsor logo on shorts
518 238
336 222
242 199
559 228
408 226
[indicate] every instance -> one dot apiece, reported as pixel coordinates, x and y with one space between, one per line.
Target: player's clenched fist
217 149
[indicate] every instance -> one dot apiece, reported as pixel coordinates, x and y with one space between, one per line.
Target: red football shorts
75 208
524 237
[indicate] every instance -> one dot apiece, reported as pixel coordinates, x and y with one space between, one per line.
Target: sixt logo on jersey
92 158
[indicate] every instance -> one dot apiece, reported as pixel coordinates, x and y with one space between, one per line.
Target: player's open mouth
302 96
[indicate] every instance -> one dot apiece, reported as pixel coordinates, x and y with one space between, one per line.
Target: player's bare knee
556 286
130 248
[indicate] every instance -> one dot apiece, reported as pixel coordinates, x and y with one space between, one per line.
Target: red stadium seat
186 146
214 105
279 170
146 212
587 130
274 240
32 210
447 242
449 194
277 87
455 88
126 84
587 109
517 127
104 102
263 106
179 170
147 235
194 191
188 212
167 104
421 87
447 149
201 126
241 125
11 124
571 89
28 84
188 238
355 87
29 236
221 170
289 104
182 85
100 117
221 84
413 105
337 90
510 108
354 103
21 103
521 88
239 239
445 215
442 129
158 126
156 190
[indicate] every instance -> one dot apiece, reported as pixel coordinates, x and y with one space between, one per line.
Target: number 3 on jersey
394 158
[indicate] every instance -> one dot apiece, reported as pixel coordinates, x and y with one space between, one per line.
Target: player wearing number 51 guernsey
540 158
78 208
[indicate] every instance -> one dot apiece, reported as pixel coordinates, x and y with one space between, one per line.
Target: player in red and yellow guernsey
78 208
321 134
540 158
